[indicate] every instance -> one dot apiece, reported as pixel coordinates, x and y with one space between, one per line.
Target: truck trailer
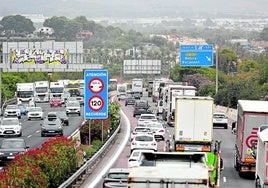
261 174
137 85
251 114
174 169
193 130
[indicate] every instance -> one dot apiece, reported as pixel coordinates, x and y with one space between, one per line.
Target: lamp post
217 68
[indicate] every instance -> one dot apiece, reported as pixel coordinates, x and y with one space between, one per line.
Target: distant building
45 31
83 34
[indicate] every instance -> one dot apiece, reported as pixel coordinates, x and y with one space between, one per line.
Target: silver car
10 127
52 126
116 177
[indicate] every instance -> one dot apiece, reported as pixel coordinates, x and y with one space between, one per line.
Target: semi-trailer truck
41 91
193 130
251 114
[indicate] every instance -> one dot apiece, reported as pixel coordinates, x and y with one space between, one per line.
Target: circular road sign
95 103
96 85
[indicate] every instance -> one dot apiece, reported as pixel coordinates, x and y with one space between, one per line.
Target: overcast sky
131 8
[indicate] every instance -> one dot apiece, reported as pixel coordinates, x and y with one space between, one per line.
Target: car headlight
1 153
17 128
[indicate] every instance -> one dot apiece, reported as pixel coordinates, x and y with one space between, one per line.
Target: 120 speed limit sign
95 103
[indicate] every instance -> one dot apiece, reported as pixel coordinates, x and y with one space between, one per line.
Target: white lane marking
224 179
115 157
29 136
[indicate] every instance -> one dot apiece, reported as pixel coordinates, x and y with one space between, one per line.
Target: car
51 126
146 118
122 96
10 126
116 177
135 159
23 109
157 129
55 101
10 148
80 99
220 120
129 101
73 107
137 95
143 141
140 107
35 113
63 116
140 130
12 110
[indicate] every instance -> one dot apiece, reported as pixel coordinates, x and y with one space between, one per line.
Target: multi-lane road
229 177
118 154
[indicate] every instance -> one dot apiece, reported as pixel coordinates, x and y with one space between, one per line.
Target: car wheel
226 126
79 114
19 117
42 135
20 135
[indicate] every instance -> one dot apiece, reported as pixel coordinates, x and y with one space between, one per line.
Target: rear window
144 138
219 116
119 175
141 104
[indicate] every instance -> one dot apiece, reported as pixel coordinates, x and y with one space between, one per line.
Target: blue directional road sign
96 94
196 55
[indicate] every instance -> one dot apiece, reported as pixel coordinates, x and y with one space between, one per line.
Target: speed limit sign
96 94
95 103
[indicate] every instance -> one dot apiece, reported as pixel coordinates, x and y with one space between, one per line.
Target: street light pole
217 69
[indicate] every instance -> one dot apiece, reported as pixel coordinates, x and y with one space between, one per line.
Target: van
159 106
141 107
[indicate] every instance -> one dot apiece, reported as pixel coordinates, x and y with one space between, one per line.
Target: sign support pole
89 133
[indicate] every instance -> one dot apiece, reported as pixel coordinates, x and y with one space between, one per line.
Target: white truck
137 85
25 92
193 130
261 176
57 90
41 91
251 114
171 91
121 88
175 169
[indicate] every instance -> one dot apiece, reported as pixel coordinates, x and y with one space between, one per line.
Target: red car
55 102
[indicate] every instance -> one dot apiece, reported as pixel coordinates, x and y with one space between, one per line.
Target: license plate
11 157
51 131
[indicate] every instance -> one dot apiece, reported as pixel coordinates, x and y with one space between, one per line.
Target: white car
140 130
35 113
157 129
10 127
143 141
12 111
220 119
136 157
73 107
146 118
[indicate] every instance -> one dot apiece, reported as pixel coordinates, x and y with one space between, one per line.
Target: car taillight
133 143
162 131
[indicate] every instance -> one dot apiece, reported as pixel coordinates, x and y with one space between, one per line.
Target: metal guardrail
91 162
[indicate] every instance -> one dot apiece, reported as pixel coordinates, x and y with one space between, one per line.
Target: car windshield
120 175
6 144
35 109
72 104
10 122
144 138
142 129
12 107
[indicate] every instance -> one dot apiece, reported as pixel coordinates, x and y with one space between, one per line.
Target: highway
31 129
229 176
118 154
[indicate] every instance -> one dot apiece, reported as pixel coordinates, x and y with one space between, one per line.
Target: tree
264 34
19 24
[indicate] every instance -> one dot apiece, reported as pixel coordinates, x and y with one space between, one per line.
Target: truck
57 91
171 91
137 85
193 129
73 87
150 88
25 92
261 176
251 114
175 169
121 88
41 91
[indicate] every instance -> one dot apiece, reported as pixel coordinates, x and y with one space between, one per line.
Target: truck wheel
226 126
257 182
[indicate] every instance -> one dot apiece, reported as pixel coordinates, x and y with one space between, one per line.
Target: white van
159 107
